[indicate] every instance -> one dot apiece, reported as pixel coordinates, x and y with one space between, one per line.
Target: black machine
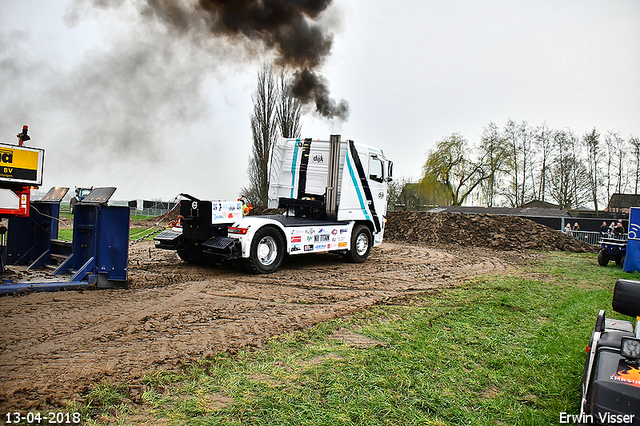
611 379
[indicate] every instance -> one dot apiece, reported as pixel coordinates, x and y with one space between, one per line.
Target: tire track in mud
56 346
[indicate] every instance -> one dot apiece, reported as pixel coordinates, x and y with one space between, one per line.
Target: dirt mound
481 230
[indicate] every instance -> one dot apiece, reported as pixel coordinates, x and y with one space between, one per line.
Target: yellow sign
21 164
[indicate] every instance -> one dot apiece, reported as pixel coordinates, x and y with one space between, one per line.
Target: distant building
621 203
541 205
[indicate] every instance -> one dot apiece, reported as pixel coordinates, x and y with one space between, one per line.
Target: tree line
519 163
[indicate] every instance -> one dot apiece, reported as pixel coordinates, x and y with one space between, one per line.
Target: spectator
576 227
619 229
567 229
604 229
246 205
612 226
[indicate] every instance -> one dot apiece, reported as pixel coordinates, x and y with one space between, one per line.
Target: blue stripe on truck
293 166
356 185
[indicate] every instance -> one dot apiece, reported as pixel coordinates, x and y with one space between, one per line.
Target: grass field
499 350
135 232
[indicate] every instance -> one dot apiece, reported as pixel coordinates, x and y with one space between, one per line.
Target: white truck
334 194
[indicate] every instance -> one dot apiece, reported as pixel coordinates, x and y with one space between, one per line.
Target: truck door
378 185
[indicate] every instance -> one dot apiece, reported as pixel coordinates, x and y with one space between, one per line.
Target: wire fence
149 212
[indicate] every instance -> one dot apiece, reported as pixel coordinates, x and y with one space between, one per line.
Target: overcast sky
118 99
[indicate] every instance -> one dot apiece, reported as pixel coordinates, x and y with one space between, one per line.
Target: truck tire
361 241
191 254
603 260
267 251
620 260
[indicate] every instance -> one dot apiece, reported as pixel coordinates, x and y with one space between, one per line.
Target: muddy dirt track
56 346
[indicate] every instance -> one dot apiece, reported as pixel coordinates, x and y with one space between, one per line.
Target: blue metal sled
97 257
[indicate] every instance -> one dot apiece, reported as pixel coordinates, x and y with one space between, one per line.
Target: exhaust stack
332 177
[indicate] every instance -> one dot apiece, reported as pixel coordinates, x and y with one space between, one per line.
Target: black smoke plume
310 87
286 27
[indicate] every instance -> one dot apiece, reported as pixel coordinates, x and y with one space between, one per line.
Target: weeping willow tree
449 172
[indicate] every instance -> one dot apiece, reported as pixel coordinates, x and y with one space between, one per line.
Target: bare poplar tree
544 141
635 150
609 142
510 134
274 109
561 171
614 165
518 138
569 177
264 127
288 109
526 140
494 151
621 172
592 143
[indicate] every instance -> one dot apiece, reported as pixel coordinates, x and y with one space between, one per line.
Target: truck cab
334 196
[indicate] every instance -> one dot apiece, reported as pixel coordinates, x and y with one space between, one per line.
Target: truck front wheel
267 251
360 244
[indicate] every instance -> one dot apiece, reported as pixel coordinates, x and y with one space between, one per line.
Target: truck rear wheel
191 254
361 240
603 260
620 260
267 251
